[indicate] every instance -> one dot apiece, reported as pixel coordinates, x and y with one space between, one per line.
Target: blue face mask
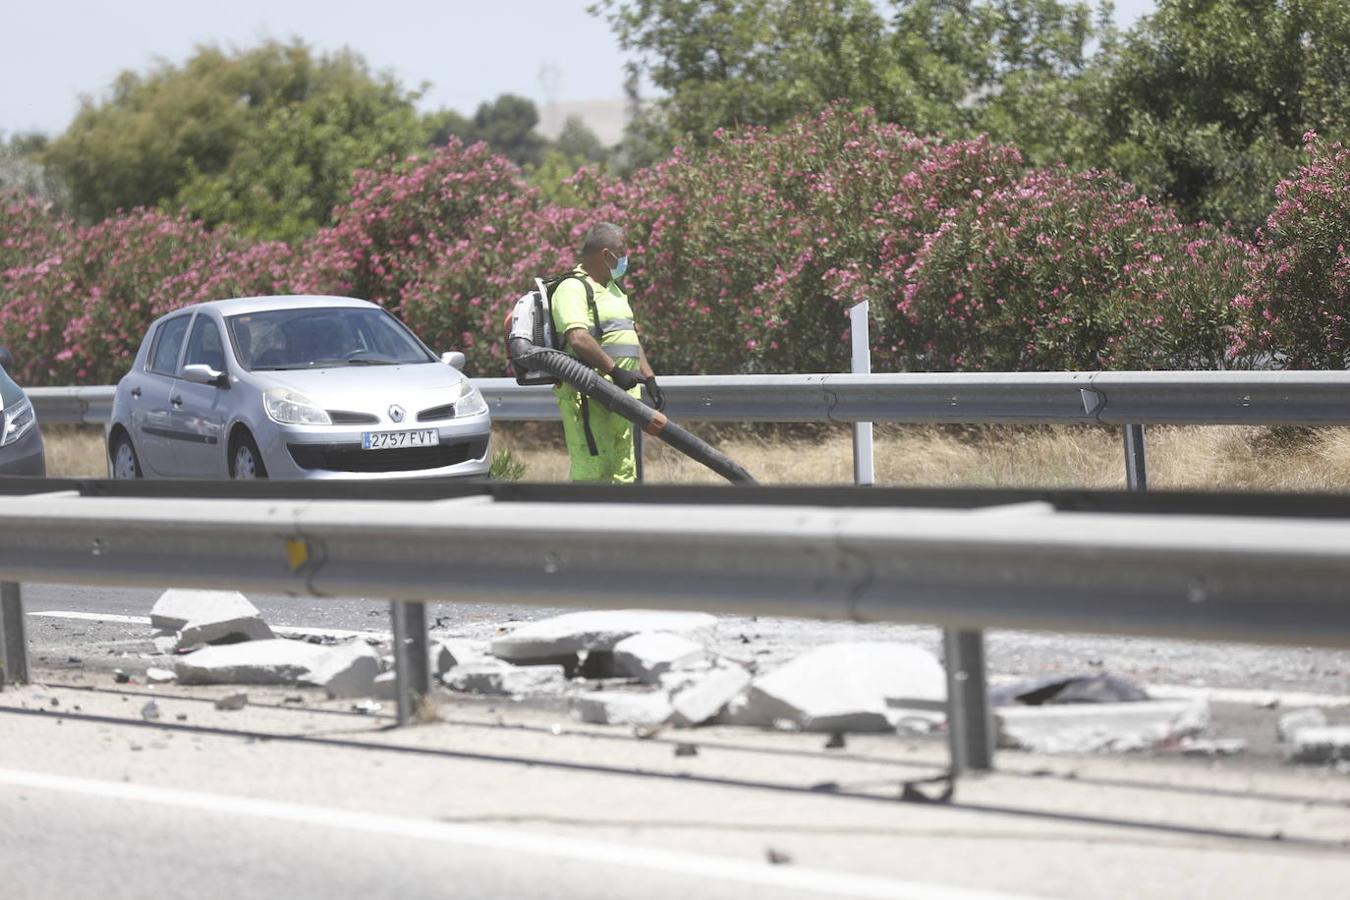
617 271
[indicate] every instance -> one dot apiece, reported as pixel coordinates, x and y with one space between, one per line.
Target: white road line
840 884
143 620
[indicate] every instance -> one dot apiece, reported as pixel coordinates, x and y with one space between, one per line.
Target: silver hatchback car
294 387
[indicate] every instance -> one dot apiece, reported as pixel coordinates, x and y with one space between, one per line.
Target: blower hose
585 379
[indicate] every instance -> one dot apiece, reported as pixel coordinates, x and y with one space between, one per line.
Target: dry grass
1236 458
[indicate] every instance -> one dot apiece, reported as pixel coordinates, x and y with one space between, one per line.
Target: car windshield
316 338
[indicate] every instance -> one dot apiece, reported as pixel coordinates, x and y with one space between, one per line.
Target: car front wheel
245 461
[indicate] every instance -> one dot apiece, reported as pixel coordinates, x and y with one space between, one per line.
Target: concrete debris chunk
864 686
552 640
347 670
386 686
208 617
651 654
232 702
496 678
1291 723
1100 727
622 707
700 696
1322 744
449 654
1212 747
150 711
156 675
1099 688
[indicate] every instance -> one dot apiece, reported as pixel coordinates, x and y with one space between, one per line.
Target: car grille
341 417
436 413
351 458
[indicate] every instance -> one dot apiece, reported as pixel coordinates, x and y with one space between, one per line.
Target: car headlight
471 402
15 422
286 407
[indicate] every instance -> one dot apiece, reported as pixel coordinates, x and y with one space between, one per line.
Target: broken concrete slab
208 617
346 670
156 675
496 678
1100 727
622 707
862 686
700 696
1098 688
386 686
279 661
651 654
1322 744
1291 723
448 654
552 640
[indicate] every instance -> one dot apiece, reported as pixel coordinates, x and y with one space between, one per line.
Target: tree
266 138
506 124
22 171
935 65
1208 100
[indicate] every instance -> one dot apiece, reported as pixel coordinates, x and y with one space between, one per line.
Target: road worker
592 315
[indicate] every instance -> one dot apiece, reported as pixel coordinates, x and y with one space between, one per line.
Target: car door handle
135 392
176 401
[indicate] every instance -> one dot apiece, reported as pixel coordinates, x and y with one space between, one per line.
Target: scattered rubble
622 707
700 696
1322 744
232 702
562 637
1291 723
497 678
649 655
207 617
1100 727
864 686
1100 688
1212 747
345 670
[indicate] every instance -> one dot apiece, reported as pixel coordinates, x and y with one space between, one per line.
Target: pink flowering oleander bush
1297 300
1063 271
79 314
747 255
446 241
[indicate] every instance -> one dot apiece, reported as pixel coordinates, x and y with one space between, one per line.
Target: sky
54 51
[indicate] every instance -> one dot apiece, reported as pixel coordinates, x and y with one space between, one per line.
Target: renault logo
396 413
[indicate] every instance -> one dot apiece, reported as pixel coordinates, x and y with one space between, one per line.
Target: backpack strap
590 299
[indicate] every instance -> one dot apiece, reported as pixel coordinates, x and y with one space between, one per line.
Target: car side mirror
200 373
6 358
454 359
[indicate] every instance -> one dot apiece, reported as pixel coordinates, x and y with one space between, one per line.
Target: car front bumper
26 456
334 452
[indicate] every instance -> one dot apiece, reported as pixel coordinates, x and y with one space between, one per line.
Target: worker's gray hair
602 236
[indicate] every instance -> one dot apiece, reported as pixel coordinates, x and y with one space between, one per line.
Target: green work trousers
608 455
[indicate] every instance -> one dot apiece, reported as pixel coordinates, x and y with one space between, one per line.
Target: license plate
395 440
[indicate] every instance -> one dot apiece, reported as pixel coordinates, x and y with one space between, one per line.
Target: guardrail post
412 657
13 639
863 472
1136 466
637 451
970 726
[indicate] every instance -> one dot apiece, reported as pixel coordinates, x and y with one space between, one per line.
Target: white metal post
863 472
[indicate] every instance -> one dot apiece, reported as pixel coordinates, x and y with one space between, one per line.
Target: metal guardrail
1252 577
1112 398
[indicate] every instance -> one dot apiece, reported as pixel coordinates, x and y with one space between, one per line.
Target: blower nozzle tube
585 379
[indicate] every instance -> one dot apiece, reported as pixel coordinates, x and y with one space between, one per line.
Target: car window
164 357
322 337
204 345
